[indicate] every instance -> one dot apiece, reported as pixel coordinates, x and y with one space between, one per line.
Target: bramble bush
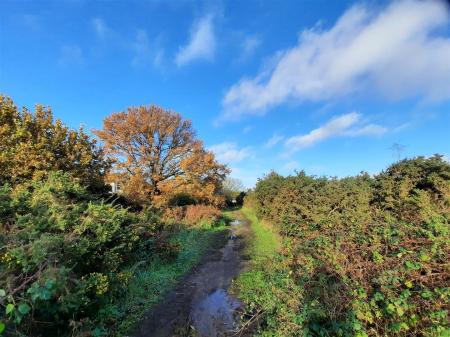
366 256
63 255
192 214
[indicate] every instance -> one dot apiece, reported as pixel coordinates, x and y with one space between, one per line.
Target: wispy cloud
349 125
146 52
248 45
100 27
31 21
202 42
228 152
274 140
395 53
71 55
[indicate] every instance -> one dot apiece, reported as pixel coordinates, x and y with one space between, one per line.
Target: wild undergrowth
266 288
152 280
73 264
361 256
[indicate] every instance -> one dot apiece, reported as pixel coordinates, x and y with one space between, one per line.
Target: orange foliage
157 156
191 214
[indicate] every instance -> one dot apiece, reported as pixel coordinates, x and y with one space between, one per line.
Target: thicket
75 260
63 255
362 256
192 214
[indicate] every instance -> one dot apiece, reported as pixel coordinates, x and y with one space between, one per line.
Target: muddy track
200 305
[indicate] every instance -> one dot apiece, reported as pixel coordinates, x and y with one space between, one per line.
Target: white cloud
346 125
274 140
229 152
248 175
395 53
100 27
248 45
366 130
146 52
141 47
202 43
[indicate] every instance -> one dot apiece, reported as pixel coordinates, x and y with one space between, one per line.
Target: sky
322 86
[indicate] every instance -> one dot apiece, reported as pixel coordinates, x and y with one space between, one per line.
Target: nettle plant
63 253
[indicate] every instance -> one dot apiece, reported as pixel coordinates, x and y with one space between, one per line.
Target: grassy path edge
153 280
266 241
270 296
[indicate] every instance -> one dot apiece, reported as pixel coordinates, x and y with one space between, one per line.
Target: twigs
248 323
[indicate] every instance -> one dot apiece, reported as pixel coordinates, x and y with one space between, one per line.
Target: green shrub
370 255
62 255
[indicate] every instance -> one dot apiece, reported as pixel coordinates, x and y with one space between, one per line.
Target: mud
200 305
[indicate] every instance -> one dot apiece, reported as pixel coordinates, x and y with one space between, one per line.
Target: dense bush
69 251
370 255
62 255
32 144
191 214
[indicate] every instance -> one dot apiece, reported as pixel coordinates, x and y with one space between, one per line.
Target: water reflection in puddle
235 222
214 315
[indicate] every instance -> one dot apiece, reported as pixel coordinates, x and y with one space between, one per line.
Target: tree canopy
157 156
34 144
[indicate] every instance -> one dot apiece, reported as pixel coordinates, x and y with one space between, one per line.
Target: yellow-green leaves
33 144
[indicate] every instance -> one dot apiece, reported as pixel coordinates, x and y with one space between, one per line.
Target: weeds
360 256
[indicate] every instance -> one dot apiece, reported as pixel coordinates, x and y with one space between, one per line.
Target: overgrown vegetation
63 254
361 256
75 260
152 280
32 144
358 256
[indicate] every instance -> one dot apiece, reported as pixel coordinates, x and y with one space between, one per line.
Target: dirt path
200 305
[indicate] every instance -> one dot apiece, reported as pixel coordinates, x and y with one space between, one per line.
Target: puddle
201 300
213 316
235 222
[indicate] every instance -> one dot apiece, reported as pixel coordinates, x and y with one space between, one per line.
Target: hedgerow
63 255
369 254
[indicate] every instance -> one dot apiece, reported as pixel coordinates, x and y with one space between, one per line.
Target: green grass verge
266 242
150 282
267 289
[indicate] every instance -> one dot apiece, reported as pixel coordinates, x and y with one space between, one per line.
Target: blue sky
324 86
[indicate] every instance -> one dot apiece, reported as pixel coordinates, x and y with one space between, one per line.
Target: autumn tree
32 144
234 191
158 156
231 187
